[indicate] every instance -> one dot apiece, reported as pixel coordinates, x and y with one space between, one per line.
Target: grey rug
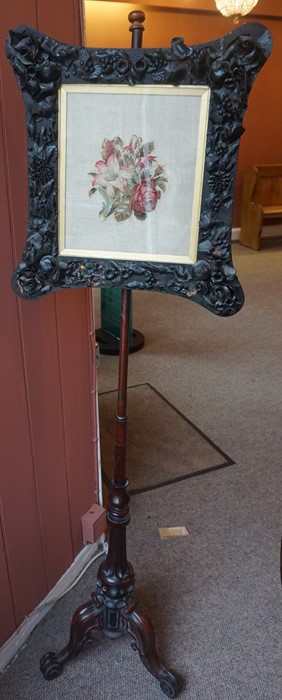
163 446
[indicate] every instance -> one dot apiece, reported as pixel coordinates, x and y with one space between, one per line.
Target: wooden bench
261 199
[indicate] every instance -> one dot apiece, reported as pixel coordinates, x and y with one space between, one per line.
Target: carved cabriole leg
140 628
86 619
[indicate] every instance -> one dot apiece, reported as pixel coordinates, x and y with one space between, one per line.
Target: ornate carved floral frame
228 66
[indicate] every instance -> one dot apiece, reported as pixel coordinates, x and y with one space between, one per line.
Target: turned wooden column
115 576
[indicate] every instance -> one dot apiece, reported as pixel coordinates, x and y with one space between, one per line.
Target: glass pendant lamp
235 8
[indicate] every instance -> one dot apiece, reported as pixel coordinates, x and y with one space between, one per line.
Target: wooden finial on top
136 18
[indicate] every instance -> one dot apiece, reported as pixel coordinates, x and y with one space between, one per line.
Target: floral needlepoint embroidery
128 178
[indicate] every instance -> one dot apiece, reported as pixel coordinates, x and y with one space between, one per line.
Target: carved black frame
228 66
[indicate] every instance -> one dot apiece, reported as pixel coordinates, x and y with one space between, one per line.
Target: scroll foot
140 628
86 619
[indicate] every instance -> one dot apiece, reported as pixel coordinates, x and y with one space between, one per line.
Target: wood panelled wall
48 467
198 21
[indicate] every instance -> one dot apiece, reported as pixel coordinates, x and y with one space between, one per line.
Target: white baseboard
235 234
12 646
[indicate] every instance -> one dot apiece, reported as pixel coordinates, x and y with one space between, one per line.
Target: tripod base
112 607
115 621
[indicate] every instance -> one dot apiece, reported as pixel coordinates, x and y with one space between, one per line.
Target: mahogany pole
112 607
116 565
121 417
136 18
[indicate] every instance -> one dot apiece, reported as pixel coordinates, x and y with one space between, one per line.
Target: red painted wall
48 468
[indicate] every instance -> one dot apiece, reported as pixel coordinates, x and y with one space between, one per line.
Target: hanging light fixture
235 8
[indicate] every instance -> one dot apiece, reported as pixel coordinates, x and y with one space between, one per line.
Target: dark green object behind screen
110 313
